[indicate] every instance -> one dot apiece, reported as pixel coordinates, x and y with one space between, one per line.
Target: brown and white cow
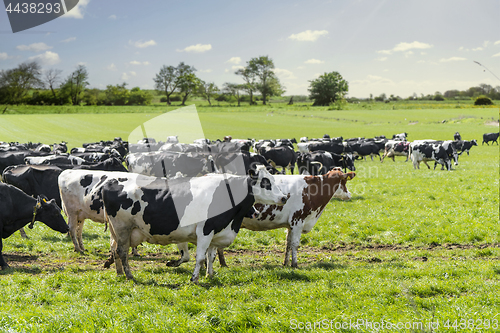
307 199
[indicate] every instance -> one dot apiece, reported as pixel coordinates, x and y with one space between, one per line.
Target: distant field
411 245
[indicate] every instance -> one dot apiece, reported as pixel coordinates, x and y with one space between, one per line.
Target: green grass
411 245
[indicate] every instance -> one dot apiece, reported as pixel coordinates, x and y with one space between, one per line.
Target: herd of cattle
162 198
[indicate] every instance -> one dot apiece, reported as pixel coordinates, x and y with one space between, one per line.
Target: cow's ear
252 173
349 175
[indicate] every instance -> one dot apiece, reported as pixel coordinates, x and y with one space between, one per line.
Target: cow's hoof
108 263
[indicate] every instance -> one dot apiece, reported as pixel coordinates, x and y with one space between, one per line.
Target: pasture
411 246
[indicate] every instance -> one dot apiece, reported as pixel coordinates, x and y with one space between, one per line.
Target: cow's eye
266 184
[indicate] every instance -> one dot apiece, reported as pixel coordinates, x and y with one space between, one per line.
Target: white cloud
497 42
206 70
404 47
486 43
381 59
226 70
3 56
135 62
140 44
236 67
81 63
71 39
47 58
452 59
300 67
308 35
35 47
111 67
408 54
78 11
478 49
314 61
126 76
373 79
198 48
112 17
496 55
234 60
145 63
284 74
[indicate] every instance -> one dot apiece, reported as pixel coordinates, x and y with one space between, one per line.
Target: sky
378 46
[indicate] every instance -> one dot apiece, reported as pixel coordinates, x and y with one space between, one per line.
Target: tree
16 83
232 89
268 84
169 78
117 95
75 84
249 77
328 88
207 90
52 79
188 84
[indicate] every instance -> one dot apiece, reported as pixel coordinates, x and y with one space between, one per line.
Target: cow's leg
73 226
135 252
111 258
428 167
201 252
121 252
3 264
222 259
184 251
23 233
288 248
211 253
79 233
294 244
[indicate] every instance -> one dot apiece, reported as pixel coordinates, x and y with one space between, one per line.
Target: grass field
411 246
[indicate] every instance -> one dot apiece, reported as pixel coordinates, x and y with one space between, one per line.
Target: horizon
396 48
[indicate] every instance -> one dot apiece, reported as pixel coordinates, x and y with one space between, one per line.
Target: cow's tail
321 165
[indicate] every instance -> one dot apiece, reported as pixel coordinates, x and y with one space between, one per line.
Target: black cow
35 180
17 209
457 137
364 149
283 157
16 157
487 137
320 162
331 147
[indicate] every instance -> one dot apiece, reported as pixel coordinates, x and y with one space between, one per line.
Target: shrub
483 100
140 97
164 99
438 98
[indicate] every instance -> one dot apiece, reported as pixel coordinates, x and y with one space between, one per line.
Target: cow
464 146
332 147
35 180
205 211
457 136
18 209
307 199
364 149
15 158
400 136
320 162
423 152
240 163
43 148
283 157
168 164
81 199
54 159
487 137
396 148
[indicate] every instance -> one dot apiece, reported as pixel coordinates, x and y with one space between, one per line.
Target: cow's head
264 187
474 142
349 162
339 183
49 213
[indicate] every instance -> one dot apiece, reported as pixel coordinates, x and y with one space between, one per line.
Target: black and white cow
396 148
283 157
457 136
17 209
54 159
207 211
464 146
9 158
320 162
81 199
428 151
240 163
332 147
400 136
365 148
487 137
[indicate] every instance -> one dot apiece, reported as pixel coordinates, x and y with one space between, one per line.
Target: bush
483 100
140 97
438 98
164 99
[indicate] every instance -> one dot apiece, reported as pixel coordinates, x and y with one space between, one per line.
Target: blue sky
392 47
